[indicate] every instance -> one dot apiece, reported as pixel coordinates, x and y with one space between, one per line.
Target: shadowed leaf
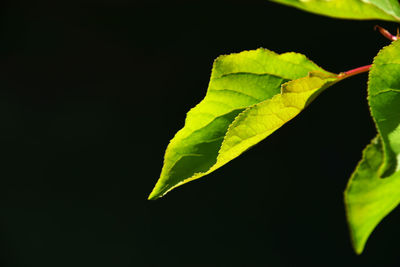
368 198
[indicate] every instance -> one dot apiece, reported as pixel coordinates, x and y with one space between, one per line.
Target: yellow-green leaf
349 9
238 82
259 121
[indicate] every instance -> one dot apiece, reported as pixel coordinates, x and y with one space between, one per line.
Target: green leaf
349 9
384 101
368 198
259 121
238 81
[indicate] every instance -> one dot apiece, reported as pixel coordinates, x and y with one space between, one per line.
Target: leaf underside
374 188
349 9
369 198
249 96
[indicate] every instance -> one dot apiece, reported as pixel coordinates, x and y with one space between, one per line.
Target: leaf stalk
386 33
353 72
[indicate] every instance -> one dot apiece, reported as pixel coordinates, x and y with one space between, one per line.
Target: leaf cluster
253 93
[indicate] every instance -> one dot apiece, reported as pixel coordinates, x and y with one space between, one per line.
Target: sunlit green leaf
349 9
384 101
374 188
369 198
259 121
238 81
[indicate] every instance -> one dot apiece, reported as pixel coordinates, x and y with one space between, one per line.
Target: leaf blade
384 102
237 82
349 9
368 198
271 114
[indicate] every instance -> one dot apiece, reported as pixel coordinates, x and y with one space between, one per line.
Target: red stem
350 73
386 33
353 72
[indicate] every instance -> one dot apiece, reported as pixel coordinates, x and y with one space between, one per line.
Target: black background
91 96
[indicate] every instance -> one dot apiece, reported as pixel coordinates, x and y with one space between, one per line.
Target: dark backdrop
90 98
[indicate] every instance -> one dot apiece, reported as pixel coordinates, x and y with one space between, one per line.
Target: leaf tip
358 246
157 192
154 195
151 196
358 243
